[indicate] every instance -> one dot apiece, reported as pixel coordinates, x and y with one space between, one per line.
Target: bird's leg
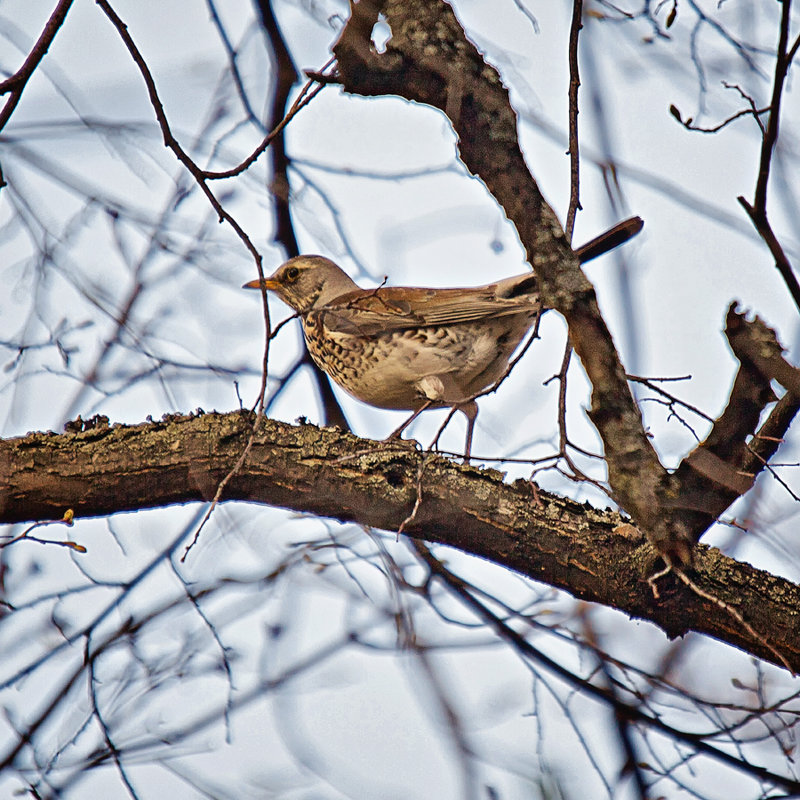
438 388
395 434
470 412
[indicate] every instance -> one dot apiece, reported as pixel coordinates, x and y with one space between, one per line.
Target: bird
407 348
413 348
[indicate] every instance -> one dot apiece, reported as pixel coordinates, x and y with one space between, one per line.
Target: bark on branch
595 555
725 466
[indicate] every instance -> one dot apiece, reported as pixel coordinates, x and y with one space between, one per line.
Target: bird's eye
291 274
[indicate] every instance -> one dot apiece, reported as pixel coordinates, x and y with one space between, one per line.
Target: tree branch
286 76
15 85
723 468
595 555
757 211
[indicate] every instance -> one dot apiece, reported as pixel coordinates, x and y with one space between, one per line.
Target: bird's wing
399 308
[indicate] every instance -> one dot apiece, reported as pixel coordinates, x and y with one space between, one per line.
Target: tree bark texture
595 555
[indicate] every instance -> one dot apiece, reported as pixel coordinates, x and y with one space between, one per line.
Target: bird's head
306 282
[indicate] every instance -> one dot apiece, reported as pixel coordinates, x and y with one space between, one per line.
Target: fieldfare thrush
405 348
409 348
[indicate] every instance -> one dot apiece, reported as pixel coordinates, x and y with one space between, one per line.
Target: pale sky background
365 719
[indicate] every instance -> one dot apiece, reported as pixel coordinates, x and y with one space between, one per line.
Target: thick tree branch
726 464
595 555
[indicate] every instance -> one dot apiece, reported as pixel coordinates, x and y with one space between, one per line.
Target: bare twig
307 94
754 112
633 713
757 211
169 139
67 519
729 609
574 148
762 225
673 400
15 84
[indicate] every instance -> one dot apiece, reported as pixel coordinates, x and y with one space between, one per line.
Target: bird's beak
267 283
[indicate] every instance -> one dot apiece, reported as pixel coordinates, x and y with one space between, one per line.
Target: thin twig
417 502
729 609
634 713
15 84
648 382
307 94
757 211
574 150
68 520
169 139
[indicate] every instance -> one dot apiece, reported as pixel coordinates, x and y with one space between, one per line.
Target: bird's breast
387 369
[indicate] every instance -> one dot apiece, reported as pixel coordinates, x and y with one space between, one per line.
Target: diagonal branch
430 60
286 76
757 210
15 85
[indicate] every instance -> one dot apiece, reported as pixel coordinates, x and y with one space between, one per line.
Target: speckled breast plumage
389 369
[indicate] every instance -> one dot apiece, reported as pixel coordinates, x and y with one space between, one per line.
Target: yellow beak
267 283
